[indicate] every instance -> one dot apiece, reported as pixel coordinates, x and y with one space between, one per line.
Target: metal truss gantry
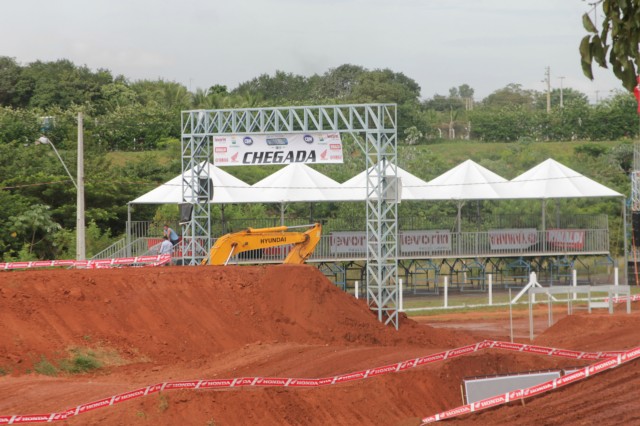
373 127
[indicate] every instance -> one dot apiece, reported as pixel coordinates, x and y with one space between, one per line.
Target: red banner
566 238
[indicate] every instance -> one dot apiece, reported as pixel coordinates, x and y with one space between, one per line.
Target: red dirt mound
184 323
174 314
610 398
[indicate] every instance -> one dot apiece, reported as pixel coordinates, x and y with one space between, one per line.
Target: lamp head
42 140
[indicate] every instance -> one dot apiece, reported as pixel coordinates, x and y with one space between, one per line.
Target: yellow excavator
259 238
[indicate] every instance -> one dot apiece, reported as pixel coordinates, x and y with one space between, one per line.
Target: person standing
166 248
171 235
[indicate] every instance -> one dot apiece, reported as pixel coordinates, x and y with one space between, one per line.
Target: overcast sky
486 44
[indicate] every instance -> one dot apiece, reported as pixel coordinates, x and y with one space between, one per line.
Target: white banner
501 239
254 150
410 241
348 242
424 241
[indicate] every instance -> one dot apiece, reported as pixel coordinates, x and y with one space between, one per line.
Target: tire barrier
609 360
157 260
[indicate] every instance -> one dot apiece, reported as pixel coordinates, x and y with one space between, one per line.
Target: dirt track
151 325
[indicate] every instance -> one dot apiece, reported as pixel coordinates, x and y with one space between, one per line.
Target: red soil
150 325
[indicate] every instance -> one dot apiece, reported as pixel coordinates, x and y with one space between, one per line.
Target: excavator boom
303 243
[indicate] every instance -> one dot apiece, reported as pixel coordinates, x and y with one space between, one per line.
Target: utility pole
547 75
561 94
80 230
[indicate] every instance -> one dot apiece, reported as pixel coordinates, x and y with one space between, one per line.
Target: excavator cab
303 243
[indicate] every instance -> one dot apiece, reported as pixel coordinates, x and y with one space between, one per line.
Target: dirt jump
70 337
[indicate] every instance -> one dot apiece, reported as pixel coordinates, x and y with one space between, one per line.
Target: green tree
61 83
36 229
510 96
10 73
338 83
167 94
283 88
616 42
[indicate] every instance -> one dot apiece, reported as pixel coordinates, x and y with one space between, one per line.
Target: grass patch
3 372
45 367
80 363
163 402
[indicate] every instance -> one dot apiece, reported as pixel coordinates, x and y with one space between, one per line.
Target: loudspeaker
205 189
635 225
393 189
186 210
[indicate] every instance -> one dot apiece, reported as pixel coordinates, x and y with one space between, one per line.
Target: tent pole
624 233
544 224
128 239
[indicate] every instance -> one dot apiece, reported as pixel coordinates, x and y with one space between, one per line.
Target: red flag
636 92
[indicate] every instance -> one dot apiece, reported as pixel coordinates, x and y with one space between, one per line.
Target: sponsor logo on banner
566 238
348 242
410 241
424 241
259 149
503 239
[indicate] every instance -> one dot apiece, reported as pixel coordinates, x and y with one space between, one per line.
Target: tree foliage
615 43
43 98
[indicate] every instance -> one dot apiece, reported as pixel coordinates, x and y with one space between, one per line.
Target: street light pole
45 141
78 183
80 228
561 94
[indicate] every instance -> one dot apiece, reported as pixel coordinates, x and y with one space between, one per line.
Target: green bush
45 367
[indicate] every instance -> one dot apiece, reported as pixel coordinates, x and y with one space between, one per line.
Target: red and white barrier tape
621 299
156 260
343 378
583 373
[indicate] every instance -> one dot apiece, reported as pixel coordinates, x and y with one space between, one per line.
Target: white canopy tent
226 189
466 181
300 183
411 185
551 179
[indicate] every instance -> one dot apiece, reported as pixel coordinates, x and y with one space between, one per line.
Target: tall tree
509 96
10 73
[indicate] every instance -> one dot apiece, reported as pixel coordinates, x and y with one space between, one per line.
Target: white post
357 290
401 309
615 279
80 231
446 291
490 290
533 279
574 279
510 317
